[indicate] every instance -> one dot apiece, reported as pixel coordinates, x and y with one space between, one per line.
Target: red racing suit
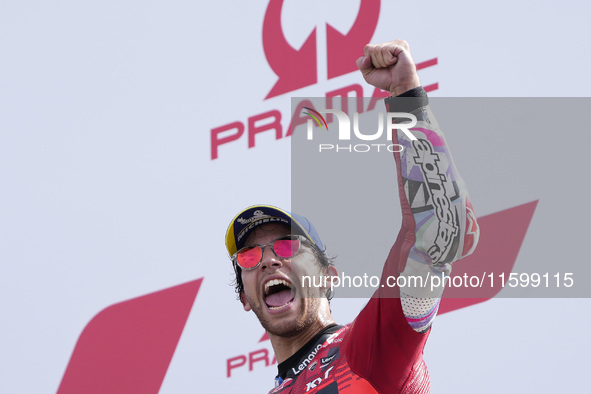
382 350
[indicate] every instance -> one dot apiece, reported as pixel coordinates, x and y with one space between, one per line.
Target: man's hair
321 258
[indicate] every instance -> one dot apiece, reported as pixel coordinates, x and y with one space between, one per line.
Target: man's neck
285 347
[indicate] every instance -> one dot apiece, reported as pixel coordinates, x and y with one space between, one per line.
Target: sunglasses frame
301 238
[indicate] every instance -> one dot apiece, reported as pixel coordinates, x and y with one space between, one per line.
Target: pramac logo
297 68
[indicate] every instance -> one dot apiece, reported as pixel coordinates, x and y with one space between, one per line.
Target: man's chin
287 320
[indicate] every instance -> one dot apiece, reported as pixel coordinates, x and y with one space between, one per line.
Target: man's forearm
436 208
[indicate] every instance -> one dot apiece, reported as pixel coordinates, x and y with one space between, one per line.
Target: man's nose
270 259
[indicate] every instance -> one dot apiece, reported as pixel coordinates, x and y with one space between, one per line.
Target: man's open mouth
278 294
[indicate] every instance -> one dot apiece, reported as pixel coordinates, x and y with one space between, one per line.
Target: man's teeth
275 282
279 307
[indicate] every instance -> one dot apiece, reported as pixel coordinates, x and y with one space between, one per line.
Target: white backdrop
109 191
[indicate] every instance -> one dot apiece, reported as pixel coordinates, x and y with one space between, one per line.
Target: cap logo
258 214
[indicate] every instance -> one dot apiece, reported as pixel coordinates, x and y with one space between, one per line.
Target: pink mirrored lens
286 247
248 258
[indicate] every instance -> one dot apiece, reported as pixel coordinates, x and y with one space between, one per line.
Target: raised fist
389 66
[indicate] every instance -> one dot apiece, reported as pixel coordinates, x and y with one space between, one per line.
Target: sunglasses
249 258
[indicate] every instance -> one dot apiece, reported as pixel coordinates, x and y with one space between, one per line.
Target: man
272 250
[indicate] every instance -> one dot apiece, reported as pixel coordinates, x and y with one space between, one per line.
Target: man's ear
330 272
244 301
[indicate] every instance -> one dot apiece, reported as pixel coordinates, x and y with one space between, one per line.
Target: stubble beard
290 326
